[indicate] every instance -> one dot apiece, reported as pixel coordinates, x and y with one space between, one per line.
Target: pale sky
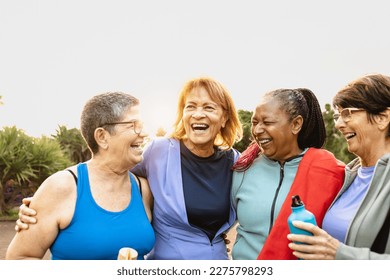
54 55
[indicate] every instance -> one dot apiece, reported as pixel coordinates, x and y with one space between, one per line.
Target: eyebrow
203 104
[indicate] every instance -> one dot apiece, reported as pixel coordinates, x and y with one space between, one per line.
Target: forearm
19 250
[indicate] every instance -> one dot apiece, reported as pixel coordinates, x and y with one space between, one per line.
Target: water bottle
299 213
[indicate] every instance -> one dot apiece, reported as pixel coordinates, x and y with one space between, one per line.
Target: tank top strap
135 189
83 180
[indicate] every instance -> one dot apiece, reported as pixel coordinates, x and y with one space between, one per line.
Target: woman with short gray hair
92 210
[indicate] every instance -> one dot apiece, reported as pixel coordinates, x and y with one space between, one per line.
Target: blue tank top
95 233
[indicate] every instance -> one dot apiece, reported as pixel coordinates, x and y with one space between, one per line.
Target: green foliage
335 141
25 162
73 144
245 119
11 215
47 157
15 147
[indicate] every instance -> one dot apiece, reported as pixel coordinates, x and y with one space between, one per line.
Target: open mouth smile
199 126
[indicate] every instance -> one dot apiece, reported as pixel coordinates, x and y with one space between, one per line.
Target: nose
198 114
258 128
339 123
143 133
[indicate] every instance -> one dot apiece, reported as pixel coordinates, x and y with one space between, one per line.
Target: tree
73 144
161 132
335 141
14 158
245 119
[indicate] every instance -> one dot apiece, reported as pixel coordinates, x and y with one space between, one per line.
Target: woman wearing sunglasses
356 226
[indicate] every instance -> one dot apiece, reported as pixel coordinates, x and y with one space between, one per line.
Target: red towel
319 178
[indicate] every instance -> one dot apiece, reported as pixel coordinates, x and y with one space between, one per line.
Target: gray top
370 215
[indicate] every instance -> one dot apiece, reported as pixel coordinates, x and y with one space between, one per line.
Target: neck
200 150
107 167
295 153
371 158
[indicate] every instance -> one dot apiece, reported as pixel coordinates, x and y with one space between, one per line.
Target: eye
189 107
209 108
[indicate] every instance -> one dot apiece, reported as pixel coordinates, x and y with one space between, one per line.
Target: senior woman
190 174
285 159
91 210
356 226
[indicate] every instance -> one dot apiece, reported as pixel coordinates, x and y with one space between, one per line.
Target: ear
101 136
224 121
383 120
296 124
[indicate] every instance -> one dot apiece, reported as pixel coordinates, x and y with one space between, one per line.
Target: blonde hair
232 131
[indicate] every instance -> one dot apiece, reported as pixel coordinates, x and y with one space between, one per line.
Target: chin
200 141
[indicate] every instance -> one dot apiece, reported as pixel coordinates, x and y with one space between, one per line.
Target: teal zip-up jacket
258 194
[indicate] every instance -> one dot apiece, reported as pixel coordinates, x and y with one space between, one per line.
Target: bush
26 162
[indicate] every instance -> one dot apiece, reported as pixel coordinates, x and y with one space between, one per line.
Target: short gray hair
104 108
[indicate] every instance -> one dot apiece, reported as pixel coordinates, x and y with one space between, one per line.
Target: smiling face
203 119
124 145
274 131
365 138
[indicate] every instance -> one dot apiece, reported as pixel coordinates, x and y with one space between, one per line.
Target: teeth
200 126
349 135
264 141
136 145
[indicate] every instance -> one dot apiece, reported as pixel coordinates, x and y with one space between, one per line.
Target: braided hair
294 102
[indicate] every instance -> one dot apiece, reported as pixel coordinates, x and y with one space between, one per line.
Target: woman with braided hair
285 159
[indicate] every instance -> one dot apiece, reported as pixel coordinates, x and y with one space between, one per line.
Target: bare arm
53 203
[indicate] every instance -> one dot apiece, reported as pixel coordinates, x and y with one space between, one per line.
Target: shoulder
235 154
321 161
162 143
60 183
321 156
56 192
231 154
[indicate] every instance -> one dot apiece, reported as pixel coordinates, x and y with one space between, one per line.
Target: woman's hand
26 215
320 246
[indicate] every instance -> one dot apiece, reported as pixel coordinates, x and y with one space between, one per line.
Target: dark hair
103 108
294 102
370 92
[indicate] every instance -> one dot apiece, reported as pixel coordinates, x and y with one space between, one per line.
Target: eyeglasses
137 125
346 114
